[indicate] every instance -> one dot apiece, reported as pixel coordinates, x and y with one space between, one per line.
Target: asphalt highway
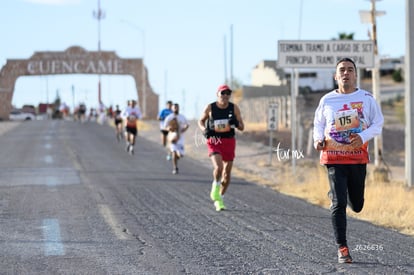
72 201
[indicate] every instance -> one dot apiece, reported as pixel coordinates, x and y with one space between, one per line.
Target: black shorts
164 132
117 121
131 130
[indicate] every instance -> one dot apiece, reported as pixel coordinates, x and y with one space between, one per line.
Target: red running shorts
226 147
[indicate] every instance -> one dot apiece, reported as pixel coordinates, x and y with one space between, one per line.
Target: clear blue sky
184 41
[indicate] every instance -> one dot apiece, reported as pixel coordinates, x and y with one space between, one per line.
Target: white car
19 115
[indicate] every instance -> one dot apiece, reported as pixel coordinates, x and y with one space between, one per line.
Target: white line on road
48 159
52 239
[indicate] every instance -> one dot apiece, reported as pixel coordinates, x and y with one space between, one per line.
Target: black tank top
219 120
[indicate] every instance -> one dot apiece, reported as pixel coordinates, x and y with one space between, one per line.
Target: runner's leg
226 176
356 187
338 178
217 162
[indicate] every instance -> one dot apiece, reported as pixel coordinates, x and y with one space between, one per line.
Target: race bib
221 125
346 120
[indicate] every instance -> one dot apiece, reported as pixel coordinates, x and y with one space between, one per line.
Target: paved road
73 202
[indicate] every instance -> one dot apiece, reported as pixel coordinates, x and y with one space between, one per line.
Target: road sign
324 53
272 119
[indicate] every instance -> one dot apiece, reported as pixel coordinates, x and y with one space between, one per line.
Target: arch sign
76 60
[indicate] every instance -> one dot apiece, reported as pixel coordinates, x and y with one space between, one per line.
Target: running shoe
344 256
168 157
131 149
215 192
175 171
219 204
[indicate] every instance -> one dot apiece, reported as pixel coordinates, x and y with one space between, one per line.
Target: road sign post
272 125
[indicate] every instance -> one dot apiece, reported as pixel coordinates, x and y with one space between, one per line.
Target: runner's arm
237 113
185 124
204 117
376 121
166 122
319 124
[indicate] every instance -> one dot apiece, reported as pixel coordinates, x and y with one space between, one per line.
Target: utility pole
225 61
231 57
370 17
73 99
99 15
144 78
409 99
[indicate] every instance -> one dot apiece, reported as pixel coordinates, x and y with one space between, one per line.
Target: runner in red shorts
131 114
218 123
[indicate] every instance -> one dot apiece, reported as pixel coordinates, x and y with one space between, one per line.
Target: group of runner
344 122
172 124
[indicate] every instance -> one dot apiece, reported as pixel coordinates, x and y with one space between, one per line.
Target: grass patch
389 205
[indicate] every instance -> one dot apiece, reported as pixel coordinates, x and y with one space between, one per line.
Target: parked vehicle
28 109
20 115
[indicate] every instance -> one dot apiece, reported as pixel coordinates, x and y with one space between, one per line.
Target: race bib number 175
346 120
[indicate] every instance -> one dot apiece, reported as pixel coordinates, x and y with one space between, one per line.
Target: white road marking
48 159
52 239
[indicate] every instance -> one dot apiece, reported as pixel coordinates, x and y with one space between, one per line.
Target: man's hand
207 133
233 122
355 140
320 145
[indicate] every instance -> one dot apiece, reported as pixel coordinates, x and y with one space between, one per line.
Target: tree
344 36
397 76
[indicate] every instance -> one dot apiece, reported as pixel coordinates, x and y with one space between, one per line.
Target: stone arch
76 60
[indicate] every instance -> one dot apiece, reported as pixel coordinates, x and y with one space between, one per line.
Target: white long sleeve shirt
338 116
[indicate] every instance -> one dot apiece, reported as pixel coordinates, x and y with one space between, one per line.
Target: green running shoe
215 192
219 204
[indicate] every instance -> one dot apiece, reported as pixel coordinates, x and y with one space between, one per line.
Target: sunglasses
226 92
